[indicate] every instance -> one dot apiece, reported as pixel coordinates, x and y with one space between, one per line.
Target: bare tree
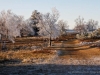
63 26
91 25
47 25
80 25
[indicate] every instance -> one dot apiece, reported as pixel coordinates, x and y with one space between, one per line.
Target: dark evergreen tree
35 17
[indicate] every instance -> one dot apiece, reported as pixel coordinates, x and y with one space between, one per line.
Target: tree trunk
2 44
1 41
49 40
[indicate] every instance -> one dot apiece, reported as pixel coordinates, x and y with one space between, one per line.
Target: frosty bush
82 36
90 35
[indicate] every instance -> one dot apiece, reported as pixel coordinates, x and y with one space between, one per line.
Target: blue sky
69 9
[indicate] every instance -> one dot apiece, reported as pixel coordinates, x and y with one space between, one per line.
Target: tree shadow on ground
70 51
50 69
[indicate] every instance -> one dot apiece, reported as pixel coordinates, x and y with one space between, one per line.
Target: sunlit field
25 49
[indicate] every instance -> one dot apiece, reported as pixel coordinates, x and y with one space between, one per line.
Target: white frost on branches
47 24
27 26
11 25
62 26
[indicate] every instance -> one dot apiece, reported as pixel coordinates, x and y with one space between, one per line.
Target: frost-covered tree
3 29
27 29
47 25
35 16
11 25
63 26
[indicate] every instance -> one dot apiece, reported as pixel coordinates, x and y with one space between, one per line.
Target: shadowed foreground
50 69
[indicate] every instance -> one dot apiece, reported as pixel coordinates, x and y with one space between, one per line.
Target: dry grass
68 48
22 54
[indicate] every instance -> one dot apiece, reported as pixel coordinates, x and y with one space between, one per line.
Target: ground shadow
10 61
50 69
